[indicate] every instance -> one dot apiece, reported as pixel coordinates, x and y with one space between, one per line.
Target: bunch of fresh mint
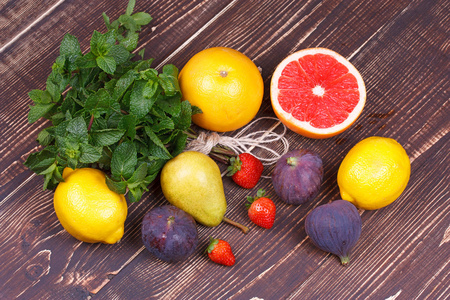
110 110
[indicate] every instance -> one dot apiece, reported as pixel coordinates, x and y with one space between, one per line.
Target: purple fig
169 233
334 227
297 176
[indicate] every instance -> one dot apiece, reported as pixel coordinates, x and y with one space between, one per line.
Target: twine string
241 143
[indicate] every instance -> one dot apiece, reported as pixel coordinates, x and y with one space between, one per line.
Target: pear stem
240 226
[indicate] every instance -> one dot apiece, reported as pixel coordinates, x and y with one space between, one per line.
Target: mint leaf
39 96
183 122
128 22
150 90
178 144
163 124
170 105
70 46
140 104
68 148
169 80
87 61
135 194
130 41
38 111
55 85
78 129
124 83
89 153
128 123
105 137
96 43
124 160
156 141
157 152
144 67
106 63
119 53
142 18
119 187
99 102
141 53
40 161
196 110
102 43
130 7
138 176
44 138
107 21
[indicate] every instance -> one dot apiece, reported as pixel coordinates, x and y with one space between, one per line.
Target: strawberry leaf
235 166
212 243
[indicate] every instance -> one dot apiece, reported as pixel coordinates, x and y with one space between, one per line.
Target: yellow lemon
374 173
88 209
226 85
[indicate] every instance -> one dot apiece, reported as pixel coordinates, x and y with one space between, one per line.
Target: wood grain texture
18 16
401 50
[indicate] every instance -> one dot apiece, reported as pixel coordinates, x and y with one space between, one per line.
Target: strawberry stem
240 226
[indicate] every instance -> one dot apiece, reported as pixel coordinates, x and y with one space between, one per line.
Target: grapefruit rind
304 127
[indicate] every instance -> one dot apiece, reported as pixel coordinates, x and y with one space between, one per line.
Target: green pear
192 182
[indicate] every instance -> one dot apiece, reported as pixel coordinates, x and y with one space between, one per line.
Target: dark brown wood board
400 49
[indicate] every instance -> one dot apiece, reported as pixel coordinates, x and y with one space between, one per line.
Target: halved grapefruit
317 93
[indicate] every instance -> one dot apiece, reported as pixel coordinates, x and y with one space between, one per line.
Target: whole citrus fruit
317 93
226 85
374 173
88 209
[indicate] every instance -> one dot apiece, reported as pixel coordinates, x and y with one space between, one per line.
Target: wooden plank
18 16
272 271
383 50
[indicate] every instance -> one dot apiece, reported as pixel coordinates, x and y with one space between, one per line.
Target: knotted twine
244 143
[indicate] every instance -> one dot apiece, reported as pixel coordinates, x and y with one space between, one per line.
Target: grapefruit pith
317 93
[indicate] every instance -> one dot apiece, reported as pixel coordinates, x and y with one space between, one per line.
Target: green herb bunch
110 110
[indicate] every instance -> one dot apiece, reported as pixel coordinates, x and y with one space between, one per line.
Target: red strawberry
220 252
261 210
245 170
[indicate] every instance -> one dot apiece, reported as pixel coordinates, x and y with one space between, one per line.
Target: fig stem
344 260
292 161
240 226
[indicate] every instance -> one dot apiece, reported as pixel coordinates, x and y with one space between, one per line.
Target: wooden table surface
400 47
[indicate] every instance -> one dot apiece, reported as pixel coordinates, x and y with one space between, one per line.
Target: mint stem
90 122
223 150
221 158
219 153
